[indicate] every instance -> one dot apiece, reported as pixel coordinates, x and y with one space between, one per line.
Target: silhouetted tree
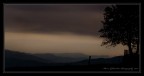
121 26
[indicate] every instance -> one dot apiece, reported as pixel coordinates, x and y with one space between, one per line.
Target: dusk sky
56 28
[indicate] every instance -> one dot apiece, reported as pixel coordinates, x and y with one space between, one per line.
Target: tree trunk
130 41
129 44
137 51
130 48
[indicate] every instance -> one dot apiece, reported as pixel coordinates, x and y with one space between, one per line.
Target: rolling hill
18 59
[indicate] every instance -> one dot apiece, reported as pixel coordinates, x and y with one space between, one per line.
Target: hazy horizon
56 29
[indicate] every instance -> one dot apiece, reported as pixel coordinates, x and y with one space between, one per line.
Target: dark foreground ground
98 67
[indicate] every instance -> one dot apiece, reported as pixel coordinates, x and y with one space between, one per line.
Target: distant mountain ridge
62 57
16 59
71 55
112 60
67 57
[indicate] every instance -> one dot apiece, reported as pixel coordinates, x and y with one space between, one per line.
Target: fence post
126 52
89 60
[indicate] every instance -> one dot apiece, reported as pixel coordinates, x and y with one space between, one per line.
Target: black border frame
62 2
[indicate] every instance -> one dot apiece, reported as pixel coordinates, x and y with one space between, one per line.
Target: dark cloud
56 7
78 19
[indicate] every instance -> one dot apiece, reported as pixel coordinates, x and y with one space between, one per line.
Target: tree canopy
121 26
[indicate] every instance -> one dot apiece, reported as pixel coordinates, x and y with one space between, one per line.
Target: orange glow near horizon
59 43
